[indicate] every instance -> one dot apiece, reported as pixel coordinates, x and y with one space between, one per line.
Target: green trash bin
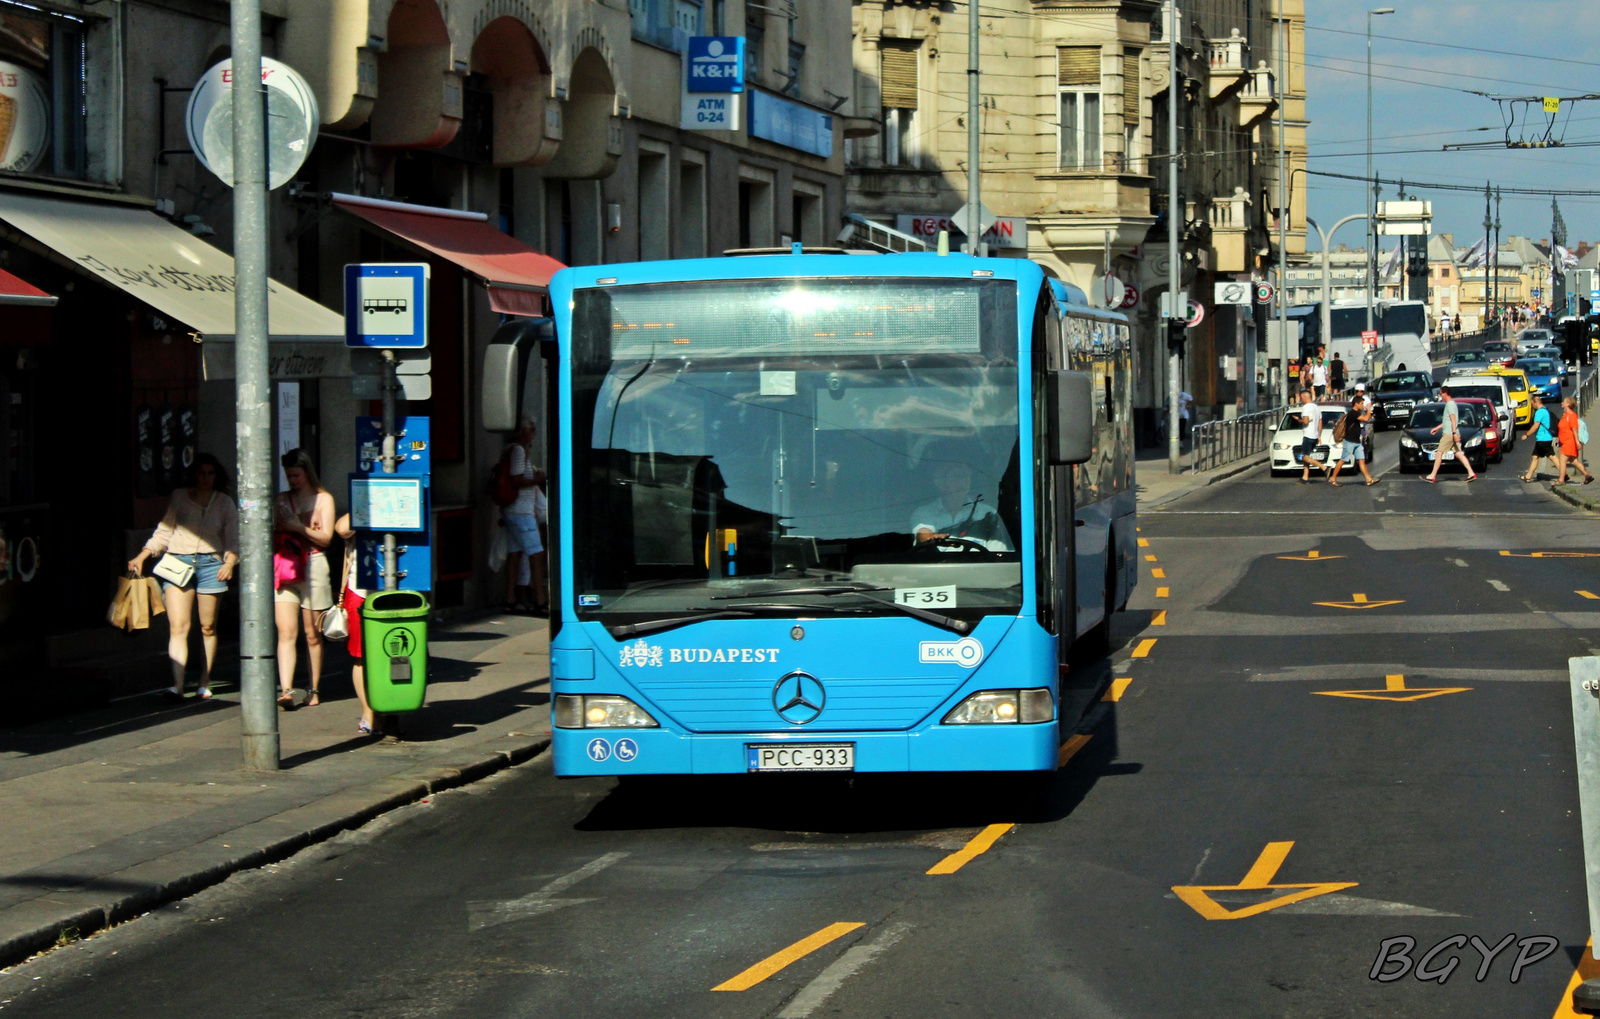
394 638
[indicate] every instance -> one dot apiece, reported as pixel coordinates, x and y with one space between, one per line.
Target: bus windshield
824 443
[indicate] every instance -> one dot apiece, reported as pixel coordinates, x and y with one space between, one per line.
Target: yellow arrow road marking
1359 601
1197 897
978 846
1395 689
1311 556
779 960
1119 686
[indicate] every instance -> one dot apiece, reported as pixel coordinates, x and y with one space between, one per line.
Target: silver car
1528 339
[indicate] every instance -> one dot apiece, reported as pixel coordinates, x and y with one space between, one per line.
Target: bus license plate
802 756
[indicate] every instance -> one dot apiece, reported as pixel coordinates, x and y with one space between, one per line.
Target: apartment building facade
1073 154
494 139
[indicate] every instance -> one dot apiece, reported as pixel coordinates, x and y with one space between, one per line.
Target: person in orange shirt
1571 450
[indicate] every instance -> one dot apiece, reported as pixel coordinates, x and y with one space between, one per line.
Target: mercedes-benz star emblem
798 698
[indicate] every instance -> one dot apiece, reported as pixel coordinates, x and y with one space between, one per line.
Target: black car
1420 441
1394 395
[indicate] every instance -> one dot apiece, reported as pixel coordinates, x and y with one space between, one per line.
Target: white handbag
336 621
173 570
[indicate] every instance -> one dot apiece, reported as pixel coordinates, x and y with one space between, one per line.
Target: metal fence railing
1442 349
1224 441
1588 390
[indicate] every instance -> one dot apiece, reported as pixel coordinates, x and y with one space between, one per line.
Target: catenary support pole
1177 307
257 631
974 225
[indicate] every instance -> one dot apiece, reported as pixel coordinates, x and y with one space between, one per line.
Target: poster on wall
24 118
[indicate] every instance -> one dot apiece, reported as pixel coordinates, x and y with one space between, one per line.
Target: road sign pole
1175 212
258 636
391 462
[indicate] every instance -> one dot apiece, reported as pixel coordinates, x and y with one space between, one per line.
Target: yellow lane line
1119 686
972 850
1587 969
778 960
1162 592
1144 542
1159 619
1590 595
1159 573
1070 747
1143 650
1150 559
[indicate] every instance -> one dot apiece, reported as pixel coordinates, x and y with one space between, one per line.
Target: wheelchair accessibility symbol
599 750
627 749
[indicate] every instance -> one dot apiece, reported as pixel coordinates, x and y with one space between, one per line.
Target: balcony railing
1228 56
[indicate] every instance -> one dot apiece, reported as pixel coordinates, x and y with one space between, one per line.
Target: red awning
517 276
17 291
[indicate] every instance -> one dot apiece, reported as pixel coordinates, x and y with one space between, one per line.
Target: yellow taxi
1518 389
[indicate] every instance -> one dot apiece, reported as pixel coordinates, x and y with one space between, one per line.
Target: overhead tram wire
1541 57
1435 186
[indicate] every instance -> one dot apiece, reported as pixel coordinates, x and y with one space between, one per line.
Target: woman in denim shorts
200 529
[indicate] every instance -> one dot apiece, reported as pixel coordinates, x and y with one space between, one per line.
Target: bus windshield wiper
622 630
864 590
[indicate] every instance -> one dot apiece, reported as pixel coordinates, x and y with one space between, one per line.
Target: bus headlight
990 707
599 711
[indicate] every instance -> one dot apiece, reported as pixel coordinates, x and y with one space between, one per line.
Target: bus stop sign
386 305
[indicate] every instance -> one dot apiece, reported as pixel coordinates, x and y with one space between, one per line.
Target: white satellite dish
292 121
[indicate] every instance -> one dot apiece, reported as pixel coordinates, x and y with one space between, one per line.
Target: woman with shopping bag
304 529
198 545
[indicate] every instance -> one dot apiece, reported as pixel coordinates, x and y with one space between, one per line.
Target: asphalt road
1300 830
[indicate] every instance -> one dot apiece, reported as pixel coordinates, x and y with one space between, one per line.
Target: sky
1420 102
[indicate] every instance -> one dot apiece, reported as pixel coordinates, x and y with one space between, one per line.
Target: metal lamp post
1372 239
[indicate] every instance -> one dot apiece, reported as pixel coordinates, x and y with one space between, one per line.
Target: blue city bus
817 512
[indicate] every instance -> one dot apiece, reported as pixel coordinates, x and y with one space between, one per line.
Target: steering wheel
963 544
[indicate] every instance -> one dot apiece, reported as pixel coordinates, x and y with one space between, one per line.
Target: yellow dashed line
1071 747
1159 619
1144 542
1162 592
1119 686
972 850
1590 595
1149 558
777 961
1143 650
1159 573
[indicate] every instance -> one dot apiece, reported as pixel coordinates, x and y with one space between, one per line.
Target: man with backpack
1348 434
1573 433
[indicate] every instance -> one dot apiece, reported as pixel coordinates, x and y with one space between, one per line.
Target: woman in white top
521 519
201 529
305 514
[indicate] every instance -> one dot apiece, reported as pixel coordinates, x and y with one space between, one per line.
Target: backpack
502 487
1341 429
1583 432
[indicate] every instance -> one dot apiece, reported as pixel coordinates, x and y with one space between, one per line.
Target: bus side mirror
1069 399
505 370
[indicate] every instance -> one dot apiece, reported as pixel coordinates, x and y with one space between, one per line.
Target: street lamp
1372 232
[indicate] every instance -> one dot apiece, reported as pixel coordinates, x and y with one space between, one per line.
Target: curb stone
42 934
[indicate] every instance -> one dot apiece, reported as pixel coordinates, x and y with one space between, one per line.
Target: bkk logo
966 652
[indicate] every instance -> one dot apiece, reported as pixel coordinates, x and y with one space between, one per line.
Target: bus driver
958 513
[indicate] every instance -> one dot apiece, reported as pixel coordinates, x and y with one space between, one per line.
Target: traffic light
1416 263
1177 332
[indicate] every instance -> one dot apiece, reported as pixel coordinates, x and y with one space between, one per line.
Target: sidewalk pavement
111 813
1156 487
1586 497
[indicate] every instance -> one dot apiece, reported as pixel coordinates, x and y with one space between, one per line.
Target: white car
1492 388
1530 338
1286 440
